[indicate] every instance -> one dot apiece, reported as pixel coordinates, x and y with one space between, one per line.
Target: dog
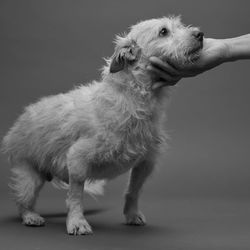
100 130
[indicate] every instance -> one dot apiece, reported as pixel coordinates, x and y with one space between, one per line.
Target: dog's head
166 38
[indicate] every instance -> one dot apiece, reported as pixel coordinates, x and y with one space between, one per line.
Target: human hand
214 52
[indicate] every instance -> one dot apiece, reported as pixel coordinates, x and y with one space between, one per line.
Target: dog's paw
76 226
33 219
135 219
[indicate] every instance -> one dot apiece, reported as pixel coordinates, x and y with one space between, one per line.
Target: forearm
238 47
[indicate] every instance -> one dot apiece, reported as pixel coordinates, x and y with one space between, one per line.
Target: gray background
199 196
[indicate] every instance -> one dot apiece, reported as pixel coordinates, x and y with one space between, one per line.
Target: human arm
239 47
214 53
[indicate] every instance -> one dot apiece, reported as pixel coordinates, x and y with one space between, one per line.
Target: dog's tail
93 188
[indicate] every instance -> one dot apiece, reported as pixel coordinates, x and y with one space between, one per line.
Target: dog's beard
183 57
194 52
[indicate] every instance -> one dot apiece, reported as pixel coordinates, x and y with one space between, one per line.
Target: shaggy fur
99 130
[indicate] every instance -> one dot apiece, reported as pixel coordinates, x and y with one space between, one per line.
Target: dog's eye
163 32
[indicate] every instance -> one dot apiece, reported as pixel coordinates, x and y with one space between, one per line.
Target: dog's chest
123 152
127 133
128 141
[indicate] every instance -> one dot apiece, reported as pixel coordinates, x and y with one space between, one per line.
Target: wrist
238 48
230 55
228 50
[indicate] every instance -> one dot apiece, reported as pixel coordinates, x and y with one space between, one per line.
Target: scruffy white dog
102 129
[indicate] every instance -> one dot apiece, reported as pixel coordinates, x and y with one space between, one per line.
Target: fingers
169 79
188 70
167 74
160 84
167 67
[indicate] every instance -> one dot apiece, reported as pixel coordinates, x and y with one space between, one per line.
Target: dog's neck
133 86
134 78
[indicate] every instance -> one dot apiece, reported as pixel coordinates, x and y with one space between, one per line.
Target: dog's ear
126 53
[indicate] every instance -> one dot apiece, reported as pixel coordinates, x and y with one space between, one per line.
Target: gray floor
172 224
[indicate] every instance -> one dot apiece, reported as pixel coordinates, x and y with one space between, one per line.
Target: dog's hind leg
26 184
138 176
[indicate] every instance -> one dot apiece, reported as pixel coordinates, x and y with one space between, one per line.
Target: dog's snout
198 35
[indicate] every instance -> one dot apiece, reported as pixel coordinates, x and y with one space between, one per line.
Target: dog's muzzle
198 35
198 42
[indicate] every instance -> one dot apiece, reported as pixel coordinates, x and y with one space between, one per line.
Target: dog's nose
198 35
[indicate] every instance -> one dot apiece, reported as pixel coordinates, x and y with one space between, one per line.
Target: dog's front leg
138 176
77 168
